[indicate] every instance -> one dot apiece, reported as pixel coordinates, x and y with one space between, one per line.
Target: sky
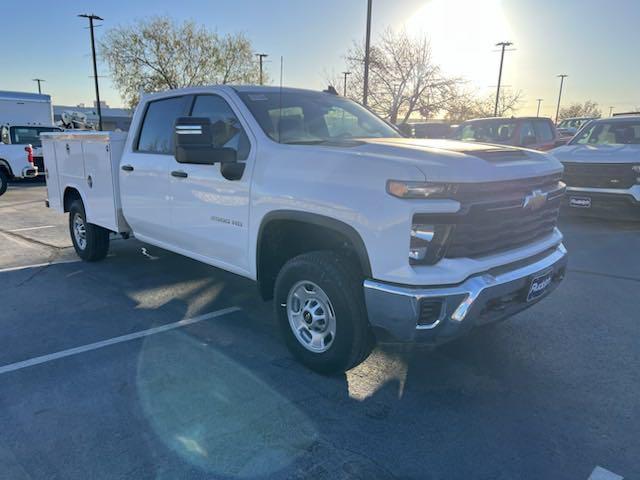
595 42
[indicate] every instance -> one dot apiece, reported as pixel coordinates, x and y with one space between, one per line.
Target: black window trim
189 99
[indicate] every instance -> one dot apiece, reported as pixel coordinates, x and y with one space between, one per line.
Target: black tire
96 244
4 181
341 281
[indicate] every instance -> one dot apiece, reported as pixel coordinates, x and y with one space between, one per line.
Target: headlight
428 243
403 189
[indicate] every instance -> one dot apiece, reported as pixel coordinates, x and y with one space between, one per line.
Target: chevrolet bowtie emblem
534 200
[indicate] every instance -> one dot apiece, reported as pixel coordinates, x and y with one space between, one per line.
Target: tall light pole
91 18
345 83
562 76
39 80
367 46
539 100
503 45
261 56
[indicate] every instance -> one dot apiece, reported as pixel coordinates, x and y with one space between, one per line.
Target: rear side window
543 131
156 135
527 133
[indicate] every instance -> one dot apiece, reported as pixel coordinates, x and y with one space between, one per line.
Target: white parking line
37 265
112 341
26 229
600 473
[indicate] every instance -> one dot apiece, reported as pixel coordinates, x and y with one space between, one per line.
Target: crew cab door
210 203
144 169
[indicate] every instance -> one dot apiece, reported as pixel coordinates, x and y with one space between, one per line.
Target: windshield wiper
305 142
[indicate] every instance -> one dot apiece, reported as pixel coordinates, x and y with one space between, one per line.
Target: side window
156 135
543 131
225 126
526 132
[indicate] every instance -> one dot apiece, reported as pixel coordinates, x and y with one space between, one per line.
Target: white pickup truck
356 233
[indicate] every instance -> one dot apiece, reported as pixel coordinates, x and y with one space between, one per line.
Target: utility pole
261 56
611 111
367 45
345 83
39 80
503 45
539 100
91 18
562 76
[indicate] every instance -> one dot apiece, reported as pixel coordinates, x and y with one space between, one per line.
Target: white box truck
356 233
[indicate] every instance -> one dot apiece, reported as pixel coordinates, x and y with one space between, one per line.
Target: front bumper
395 311
612 203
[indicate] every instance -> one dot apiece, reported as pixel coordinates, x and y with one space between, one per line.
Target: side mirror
193 140
529 140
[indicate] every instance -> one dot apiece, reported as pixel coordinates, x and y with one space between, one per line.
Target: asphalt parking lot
98 380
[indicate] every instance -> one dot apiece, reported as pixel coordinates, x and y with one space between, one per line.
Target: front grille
493 217
599 175
39 162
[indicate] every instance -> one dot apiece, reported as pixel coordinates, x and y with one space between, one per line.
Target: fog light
421 237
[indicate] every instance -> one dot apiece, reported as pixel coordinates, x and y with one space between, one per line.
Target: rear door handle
127 168
179 174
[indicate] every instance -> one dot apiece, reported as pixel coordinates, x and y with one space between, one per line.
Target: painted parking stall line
28 229
600 473
38 265
115 340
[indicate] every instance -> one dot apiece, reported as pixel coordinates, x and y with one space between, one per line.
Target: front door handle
127 168
179 174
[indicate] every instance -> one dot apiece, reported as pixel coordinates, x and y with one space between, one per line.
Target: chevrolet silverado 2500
356 233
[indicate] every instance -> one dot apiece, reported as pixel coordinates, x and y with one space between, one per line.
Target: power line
91 18
503 45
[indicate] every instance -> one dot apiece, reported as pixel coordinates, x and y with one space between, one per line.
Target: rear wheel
4 181
91 242
320 308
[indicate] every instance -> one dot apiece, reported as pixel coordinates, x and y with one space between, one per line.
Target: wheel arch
4 165
335 233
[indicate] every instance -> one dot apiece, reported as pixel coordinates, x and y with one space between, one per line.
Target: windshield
29 135
609 133
486 131
313 117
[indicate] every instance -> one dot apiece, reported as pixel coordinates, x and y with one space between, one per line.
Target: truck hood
598 153
454 161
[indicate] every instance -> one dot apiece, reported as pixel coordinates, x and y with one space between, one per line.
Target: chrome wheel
311 316
79 231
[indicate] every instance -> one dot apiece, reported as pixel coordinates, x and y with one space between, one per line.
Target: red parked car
538 133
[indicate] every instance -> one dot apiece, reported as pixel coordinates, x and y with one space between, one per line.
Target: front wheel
91 242
320 308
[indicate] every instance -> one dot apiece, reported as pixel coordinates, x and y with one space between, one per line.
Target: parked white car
602 168
356 233
21 152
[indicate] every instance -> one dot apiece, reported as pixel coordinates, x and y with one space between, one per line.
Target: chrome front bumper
395 311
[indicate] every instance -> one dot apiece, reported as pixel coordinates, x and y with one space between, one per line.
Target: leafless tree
586 109
464 105
403 79
158 54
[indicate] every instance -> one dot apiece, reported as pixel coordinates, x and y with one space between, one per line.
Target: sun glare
463 34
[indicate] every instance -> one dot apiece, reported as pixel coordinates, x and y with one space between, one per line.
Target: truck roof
236 88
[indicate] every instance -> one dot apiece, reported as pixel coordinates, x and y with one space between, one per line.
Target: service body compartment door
100 194
54 196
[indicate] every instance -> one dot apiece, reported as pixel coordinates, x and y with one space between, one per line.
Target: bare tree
586 109
403 78
464 105
158 54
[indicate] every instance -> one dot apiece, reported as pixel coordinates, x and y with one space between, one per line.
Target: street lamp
345 83
261 56
39 80
562 76
539 100
91 18
367 45
503 45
